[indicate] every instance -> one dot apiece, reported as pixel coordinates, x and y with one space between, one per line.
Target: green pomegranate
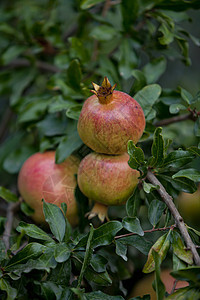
109 119
107 179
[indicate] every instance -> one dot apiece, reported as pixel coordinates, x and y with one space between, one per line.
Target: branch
12 207
145 231
22 62
172 120
177 217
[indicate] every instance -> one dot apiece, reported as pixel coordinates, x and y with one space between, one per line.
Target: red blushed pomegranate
109 119
40 178
107 179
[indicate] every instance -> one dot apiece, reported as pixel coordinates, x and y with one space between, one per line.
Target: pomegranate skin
107 128
40 178
107 179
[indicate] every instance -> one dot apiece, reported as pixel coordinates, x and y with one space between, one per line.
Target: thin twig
22 62
177 217
172 120
145 231
12 207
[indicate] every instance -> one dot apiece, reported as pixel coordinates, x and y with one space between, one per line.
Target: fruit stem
104 92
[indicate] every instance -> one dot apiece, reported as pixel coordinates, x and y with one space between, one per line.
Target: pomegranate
109 119
107 179
40 178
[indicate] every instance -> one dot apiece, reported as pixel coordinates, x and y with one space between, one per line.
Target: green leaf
14 161
7 195
185 293
54 216
178 159
194 150
2 251
98 263
159 286
85 4
21 82
167 34
155 211
88 255
121 250
103 33
98 295
190 274
62 252
154 69
74 75
140 80
45 262
186 96
11 53
147 97
59 104
157 149
5 286
132 224
67 146
161 246
103 235
138 242
176 107
50 290
191 174
74 111
31 251
26 209
136 155
127 59
180 250
149 187
132 204
33 231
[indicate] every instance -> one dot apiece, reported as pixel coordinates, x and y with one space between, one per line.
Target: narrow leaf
121 250
155 211
180 250
132 224
7 195
136 155
33 231
5 286
133 203
160 288
31 251
191 174
178 159
157 149
88 255
54 216
161 246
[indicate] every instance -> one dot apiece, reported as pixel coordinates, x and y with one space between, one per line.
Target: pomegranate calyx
103 92
100 210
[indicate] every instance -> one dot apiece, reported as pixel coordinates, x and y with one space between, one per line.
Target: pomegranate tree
40 178
109 119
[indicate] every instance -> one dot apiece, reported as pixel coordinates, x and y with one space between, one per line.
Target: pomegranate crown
104 91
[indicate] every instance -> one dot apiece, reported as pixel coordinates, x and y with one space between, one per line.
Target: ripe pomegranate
109 119
40 178
144 286
107 179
